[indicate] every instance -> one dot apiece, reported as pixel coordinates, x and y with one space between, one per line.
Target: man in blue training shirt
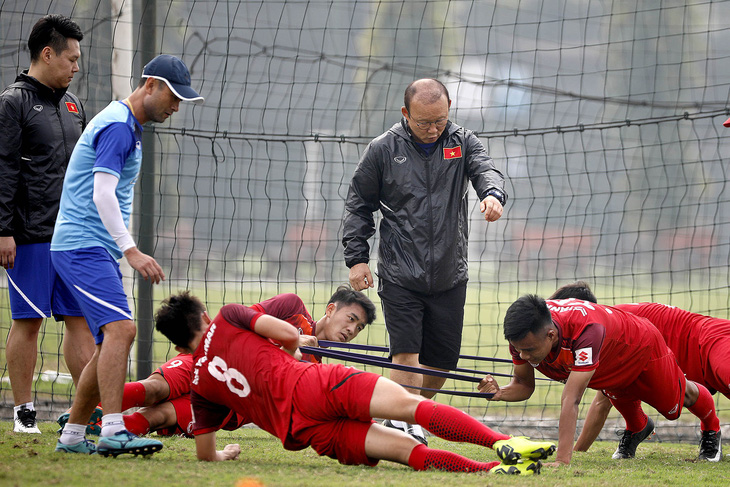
91 235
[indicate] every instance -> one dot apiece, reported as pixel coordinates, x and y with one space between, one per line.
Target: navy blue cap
175 74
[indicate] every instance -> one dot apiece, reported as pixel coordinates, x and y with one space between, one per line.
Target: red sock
134 394
424 458
632 413
452 424
704 408
136 424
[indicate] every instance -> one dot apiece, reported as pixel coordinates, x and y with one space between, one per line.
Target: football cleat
25 421
126 442
629 441
93 427
710 446
519 448
415 430
529 468
86 447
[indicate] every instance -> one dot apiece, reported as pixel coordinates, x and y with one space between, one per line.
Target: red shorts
715 348
178 373
661 385
184 414
331 412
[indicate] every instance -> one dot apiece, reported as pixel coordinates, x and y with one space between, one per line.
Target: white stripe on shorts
104 303
22 295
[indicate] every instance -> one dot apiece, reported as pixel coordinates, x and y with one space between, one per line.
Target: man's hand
308 341
230 452
489 385
145 265
7 252
492 209
360 277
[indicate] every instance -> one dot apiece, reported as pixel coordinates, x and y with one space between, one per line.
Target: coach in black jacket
40 123
417 175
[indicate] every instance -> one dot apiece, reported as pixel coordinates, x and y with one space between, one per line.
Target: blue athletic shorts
94 278
35 289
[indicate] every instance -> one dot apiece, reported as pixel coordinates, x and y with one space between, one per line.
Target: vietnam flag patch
72 107
452 153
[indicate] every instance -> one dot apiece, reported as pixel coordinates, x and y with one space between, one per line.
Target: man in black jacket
417 175
40 123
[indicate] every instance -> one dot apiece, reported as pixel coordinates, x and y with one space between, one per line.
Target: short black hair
52 30
436 95
347 296
179 317
577 290
529 314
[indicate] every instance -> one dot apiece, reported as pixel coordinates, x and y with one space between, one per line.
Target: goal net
605 117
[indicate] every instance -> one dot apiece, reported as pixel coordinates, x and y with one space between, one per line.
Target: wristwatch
499 194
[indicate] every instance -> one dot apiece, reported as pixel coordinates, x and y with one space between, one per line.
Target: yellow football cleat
529 468
520 448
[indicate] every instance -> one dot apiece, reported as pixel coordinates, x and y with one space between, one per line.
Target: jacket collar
401 129
33 84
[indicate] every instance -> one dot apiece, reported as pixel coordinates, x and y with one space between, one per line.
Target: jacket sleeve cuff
352 263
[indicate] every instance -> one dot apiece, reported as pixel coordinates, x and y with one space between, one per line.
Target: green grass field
29 460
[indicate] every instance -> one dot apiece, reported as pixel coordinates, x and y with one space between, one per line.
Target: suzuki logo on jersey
584 356
72 107
452 152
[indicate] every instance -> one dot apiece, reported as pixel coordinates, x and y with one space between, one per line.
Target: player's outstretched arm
520 387
205 449
595 419
569 405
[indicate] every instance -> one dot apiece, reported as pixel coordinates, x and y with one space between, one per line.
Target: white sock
111 424
27 405
73 434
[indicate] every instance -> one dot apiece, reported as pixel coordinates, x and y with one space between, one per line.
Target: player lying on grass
590 345
326 406
700 343
164 397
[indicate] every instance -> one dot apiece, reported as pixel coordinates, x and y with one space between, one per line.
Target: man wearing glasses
417 175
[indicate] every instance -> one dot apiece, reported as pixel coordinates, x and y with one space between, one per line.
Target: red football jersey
691 337
178 371
290 308
238 370
593 336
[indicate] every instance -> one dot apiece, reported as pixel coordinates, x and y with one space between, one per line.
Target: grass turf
29 460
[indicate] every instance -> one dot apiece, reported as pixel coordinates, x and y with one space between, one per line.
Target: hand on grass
230 452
